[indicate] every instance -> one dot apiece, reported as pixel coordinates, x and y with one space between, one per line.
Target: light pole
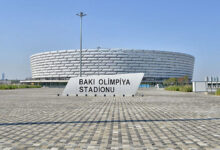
80 63
98 58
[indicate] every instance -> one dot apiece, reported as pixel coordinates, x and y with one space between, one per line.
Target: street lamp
98 58
80 67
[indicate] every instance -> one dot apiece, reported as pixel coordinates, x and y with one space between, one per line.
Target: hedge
185 88
13 86
217 92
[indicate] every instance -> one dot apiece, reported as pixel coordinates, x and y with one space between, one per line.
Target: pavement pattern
39 119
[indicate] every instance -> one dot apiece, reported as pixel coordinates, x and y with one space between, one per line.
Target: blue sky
31 26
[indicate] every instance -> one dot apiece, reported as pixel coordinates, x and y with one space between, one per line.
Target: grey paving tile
38 119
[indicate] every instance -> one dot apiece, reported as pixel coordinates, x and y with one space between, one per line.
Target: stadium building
56 67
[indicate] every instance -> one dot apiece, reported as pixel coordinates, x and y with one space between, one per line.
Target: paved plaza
39 119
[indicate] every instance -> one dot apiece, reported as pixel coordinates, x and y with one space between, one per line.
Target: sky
32 26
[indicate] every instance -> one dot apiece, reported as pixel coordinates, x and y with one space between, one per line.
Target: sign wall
109 85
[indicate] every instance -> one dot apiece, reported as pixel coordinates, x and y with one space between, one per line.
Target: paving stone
38 119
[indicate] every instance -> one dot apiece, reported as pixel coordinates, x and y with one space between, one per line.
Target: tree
174 81
170 81
186 80
180 81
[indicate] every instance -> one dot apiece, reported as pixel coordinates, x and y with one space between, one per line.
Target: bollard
58 94
67 94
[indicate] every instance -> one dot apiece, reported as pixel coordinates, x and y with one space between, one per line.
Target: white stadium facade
55 67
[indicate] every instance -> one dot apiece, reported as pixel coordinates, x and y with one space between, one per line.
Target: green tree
170 81
186 80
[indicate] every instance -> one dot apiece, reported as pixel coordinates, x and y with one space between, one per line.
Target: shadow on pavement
103 121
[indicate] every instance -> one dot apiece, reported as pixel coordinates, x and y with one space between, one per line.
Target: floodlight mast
81 14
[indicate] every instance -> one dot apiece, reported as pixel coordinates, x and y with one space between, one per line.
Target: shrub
217 92
172 88
5 87
29 86
185 88
12 86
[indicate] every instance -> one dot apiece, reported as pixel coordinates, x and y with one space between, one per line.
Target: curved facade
156 65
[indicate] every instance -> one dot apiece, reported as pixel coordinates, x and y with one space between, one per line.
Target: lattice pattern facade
157 65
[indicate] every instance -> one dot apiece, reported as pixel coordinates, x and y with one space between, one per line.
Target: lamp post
80 63
98 58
